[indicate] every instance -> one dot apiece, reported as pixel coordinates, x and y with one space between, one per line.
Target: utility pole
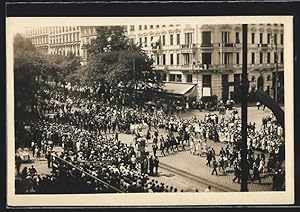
244 104
134 79
276 73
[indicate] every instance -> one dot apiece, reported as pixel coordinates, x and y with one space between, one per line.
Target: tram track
195 178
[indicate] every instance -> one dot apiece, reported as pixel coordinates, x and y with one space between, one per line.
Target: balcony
227 47
187 48
206 46
263 46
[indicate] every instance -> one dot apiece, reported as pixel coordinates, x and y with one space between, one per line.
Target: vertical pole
134 79
276 74
244 165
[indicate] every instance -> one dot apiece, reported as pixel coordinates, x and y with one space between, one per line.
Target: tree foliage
115 60
63 67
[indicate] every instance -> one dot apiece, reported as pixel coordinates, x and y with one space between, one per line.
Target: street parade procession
94 159
114 120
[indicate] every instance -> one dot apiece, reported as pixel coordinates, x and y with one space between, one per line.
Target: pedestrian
151 165
49 158
258 105
256 175
162 147
18 161
208 189
237 174
148 135
154 148
156 133
208 158
215 165
156 165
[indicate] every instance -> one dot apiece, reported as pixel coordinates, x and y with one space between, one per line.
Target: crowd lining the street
78 122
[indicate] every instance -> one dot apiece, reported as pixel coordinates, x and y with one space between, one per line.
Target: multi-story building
62 40
207 59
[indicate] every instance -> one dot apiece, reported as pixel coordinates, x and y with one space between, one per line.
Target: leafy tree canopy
115 60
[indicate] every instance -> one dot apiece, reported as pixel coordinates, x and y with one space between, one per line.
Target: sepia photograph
162 111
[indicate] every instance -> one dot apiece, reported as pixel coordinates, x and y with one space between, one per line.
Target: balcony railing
262 45
188 46
226 45
209 45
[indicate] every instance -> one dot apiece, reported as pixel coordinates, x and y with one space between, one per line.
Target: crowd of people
78 122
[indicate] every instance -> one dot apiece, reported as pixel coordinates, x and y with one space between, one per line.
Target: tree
115 61
64 67
26 70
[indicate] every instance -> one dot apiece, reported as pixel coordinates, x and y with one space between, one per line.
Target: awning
155 40
180 89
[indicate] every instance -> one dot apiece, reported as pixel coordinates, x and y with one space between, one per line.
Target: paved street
175 167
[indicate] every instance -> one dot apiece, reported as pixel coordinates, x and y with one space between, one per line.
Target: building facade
209 57
62 40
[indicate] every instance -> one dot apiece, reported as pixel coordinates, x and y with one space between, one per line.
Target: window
131 28
260 38
163 40
178 78
145 27
171 59
186 59
145 39
237 37
164 59
163 26
157 26
178 39
268 57
206 58
227 58
157 59
188 38
140 41
140 27
275 38
171 40
172 77
206 38
237 58
252 78
281 57
225 37
151 26
269 38
178 61
252 38
253 58
237 79
281 38
189 78
275 58
206 80
164 77
261 56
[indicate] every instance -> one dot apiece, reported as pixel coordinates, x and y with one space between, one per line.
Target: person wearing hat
215 165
